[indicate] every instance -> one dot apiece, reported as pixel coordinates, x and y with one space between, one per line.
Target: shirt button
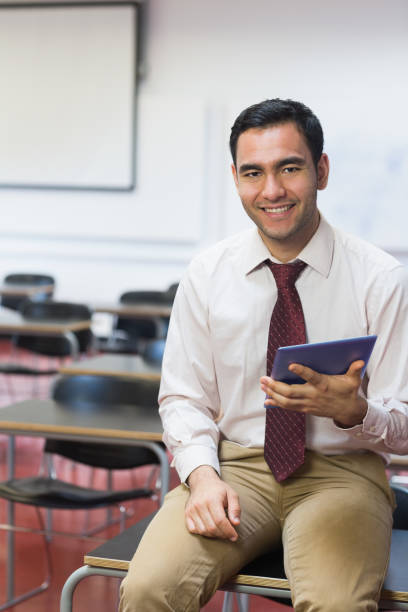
359 434
372 428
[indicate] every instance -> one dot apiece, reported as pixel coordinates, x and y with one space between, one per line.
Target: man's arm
189 405
189 399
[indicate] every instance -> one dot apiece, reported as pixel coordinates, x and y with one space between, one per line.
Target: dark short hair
275 112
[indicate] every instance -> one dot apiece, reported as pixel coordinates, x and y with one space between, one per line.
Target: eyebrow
293 159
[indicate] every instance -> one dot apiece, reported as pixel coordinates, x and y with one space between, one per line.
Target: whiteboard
67 104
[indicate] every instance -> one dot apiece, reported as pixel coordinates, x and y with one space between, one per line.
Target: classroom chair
264 576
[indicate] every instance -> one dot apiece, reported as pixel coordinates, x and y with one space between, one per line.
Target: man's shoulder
232 248
365 253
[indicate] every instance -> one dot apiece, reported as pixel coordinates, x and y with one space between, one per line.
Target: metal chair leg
243 602
241 598
228 602
44 585
79 574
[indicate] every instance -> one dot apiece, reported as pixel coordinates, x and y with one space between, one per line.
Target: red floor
67 553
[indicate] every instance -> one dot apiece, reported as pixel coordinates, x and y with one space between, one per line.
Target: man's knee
325 600
160 588
145 593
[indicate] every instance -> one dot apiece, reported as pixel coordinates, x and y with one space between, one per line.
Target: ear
234 174
323 167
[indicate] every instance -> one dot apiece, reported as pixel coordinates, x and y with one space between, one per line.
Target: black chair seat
127 346
401 512
103 455
53 493
16 368
54 346
154 350
15 301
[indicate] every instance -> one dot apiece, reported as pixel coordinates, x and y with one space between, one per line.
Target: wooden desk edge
28 326
133 310
398 460
261 581
105 562
29 428
75 370
22 290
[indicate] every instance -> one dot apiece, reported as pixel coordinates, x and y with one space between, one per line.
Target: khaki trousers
334 517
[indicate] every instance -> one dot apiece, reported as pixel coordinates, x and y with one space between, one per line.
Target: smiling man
277 181
309 471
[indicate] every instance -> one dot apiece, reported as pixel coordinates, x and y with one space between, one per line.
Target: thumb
233 508
355 369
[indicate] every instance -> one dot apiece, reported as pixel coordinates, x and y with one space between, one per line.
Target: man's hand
213 507
322 395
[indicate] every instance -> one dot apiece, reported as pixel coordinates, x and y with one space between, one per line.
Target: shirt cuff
191 457
373 425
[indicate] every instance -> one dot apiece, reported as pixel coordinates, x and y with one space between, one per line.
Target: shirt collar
318 253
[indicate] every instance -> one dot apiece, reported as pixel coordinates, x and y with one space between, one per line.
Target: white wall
205 61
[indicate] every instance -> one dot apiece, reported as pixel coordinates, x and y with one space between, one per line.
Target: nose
273 188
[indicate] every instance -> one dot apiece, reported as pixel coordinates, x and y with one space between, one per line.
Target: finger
222 526
194 522
233 507
355 369
210 522
268 385
203 525
285 390
283 402
309 375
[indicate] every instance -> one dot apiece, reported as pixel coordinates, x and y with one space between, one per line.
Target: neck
286 250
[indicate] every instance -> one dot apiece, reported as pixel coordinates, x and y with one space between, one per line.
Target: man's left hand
333 396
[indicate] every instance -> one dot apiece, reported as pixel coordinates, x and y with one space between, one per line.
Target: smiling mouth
278 209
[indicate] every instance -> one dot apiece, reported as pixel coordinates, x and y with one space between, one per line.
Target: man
331 507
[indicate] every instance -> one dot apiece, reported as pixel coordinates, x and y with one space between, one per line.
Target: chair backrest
55 311
401 511
172 290
86 390
13 301
141 297
143 327
91 392
29 279
153 351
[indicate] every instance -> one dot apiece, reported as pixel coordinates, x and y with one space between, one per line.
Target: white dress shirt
216 346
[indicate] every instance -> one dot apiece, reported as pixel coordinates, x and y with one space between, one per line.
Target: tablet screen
332 357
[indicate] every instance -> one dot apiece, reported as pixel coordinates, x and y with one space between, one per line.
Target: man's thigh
337 540
174 570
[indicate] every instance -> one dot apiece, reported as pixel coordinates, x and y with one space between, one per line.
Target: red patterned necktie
285 430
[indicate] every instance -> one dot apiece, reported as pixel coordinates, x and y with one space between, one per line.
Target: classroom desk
122 366
14 290
133 311
125 425
263 576
12 322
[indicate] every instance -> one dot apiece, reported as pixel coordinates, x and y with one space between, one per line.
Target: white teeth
278 210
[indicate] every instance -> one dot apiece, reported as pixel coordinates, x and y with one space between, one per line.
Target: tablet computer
332 357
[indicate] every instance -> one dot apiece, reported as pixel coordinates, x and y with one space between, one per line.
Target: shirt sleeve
188 397
385 425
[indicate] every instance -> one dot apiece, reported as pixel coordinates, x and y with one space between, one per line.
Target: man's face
277 182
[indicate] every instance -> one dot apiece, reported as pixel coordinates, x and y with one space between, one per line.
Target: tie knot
286 274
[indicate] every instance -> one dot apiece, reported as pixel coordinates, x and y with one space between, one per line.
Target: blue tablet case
332 357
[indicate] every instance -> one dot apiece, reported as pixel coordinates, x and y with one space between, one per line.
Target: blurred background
115 172
107 192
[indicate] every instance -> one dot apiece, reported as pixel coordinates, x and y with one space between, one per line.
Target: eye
290 169
252 173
